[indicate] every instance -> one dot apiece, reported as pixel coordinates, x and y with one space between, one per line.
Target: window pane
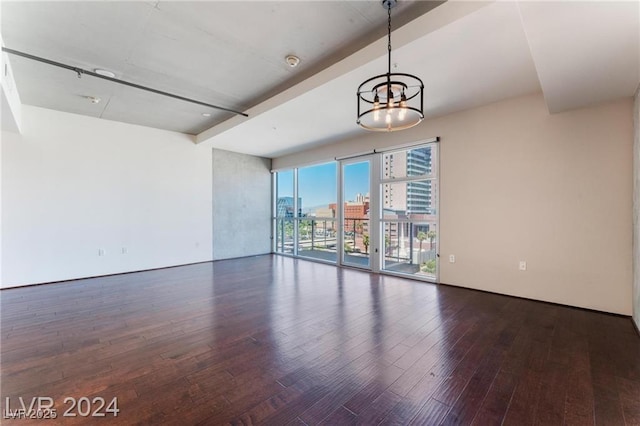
409 200
284 194
284 235
317 238
410 163
410 248
317 195
356 189
356 242
317 190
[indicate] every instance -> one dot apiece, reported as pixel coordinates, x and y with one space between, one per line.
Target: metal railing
405 242
402 239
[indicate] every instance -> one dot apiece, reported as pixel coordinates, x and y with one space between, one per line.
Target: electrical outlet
101 252
523 265
124 250
452 258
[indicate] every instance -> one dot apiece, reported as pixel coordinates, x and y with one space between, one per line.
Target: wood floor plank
379 408
274 340
432 413
630 400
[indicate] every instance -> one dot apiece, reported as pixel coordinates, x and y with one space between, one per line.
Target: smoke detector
292 60
93 99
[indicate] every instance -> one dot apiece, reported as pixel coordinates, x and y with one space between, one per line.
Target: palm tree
365 242
432 236
421 237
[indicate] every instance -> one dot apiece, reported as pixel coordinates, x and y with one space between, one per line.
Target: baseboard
543 301
102 276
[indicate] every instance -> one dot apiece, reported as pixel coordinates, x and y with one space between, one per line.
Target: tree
429 266
365 242
432 236
288 228
303 229
421 237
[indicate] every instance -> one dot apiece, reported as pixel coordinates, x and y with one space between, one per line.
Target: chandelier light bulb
403 107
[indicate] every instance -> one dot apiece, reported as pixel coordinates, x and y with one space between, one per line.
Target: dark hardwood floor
273 340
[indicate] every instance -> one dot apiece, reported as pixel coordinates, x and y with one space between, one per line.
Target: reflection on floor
361 260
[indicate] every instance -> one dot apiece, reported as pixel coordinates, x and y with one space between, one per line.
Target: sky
317 184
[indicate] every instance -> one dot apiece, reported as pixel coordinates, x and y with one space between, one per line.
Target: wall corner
10 107
636 209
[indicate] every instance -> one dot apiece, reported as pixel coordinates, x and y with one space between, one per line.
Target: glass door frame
374 215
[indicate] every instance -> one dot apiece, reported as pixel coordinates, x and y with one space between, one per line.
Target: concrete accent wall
85 197
636 209
518 183
241 205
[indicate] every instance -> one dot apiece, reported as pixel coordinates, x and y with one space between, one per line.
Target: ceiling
232 54
226 53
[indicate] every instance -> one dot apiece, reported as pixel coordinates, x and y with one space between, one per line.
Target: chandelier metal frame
391 101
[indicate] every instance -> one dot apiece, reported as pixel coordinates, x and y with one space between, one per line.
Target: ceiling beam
437 17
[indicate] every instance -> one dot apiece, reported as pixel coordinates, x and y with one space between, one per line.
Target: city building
413 201
285 206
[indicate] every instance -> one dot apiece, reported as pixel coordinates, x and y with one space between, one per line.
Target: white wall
241 205
10 116
72 185
520 184
636 209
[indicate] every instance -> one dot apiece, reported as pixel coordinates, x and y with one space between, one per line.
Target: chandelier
391 101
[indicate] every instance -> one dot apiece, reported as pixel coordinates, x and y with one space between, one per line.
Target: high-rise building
413 198
418 193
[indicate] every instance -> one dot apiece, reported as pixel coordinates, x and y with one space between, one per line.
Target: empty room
201 224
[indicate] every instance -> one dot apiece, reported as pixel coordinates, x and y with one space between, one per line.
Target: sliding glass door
354 213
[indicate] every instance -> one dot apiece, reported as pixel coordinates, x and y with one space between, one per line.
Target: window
382 215
305 212
285 209
317 225
409 213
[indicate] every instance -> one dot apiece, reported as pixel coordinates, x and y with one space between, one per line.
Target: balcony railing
409 247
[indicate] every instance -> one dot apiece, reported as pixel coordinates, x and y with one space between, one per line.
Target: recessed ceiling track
81 71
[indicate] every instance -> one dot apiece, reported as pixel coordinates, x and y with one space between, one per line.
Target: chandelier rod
389 35
81 71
